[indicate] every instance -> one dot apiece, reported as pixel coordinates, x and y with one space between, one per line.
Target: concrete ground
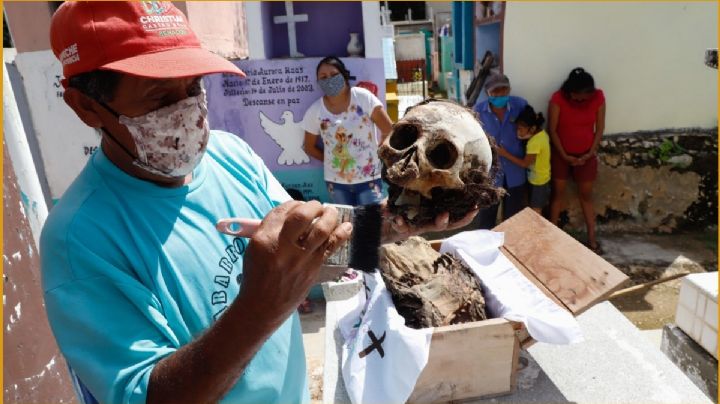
643 257
313 327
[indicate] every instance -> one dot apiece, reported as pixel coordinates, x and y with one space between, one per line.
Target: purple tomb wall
327 31
267 21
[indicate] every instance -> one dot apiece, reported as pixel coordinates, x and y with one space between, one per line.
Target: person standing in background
346 119
537 157
497 115
576 125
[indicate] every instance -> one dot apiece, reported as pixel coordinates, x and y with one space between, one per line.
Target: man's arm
280 265
394 228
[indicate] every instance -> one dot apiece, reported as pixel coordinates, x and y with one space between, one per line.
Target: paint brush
360 252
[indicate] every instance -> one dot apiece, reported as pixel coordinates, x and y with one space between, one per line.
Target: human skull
438 154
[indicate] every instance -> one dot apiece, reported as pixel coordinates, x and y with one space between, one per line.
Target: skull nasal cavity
443 155
404 136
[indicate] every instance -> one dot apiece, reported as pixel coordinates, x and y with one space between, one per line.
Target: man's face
136 96
499 91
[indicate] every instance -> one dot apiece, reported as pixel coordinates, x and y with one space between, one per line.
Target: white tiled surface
697 309
711 315
688 296
706 282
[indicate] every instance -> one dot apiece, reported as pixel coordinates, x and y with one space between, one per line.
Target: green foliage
667 149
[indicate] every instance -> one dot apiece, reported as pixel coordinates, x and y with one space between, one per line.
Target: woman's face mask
332 86
170 141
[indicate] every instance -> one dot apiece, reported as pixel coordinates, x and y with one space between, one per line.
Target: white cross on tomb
290 19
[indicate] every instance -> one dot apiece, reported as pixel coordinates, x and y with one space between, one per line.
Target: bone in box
480 359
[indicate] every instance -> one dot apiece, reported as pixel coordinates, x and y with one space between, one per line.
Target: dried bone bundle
430 289
438 159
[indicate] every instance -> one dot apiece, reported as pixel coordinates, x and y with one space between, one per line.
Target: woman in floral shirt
347 119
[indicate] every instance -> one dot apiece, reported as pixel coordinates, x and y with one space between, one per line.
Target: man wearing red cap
148 302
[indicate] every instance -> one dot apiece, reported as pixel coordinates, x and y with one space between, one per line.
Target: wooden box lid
563 268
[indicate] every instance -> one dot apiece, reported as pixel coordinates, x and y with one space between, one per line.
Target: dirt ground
645 258
313 328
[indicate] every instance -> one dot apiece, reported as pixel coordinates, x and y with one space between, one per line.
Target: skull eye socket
443 155
404 136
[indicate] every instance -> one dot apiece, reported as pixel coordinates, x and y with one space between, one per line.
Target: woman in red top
576 124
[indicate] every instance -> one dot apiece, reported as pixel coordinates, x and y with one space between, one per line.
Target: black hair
97 84
579 81
529 118
338 64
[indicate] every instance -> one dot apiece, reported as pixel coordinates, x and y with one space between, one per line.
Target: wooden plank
578 277
528 274
466 361
517 327
435 244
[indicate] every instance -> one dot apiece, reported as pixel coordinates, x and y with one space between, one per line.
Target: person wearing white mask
346 119
147 300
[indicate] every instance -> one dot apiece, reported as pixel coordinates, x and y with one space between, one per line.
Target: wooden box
480 359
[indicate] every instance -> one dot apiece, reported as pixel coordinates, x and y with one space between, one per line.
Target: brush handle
238 226
365 239
244 227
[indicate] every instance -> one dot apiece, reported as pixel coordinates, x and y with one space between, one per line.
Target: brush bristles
366 237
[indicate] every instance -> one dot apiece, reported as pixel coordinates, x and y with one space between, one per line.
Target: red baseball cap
142 38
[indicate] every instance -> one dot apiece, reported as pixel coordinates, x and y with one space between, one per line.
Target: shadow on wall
650 182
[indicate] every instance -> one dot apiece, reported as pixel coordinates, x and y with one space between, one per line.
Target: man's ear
84 107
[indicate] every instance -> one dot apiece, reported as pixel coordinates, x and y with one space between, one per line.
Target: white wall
647 57
65 141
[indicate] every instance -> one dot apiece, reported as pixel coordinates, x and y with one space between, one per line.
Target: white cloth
508 293
349 139
395 355
381 357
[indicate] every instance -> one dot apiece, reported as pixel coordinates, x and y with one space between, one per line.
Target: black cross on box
375 344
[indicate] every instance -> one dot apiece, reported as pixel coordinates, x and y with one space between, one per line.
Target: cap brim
174 63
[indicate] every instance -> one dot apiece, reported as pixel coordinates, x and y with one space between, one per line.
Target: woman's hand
395 228
310 146
572 160
590 154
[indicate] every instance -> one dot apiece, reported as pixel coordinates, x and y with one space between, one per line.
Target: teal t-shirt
133 271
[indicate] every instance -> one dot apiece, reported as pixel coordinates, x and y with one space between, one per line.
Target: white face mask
170 141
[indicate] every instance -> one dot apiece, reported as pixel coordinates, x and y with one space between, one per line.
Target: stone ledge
698 365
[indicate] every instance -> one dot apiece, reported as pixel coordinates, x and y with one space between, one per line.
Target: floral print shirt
349 139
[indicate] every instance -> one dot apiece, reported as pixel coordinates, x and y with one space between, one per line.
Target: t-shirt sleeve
533 146
519 104
311 119
557 98
599 98
276 192
112 331
371 101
